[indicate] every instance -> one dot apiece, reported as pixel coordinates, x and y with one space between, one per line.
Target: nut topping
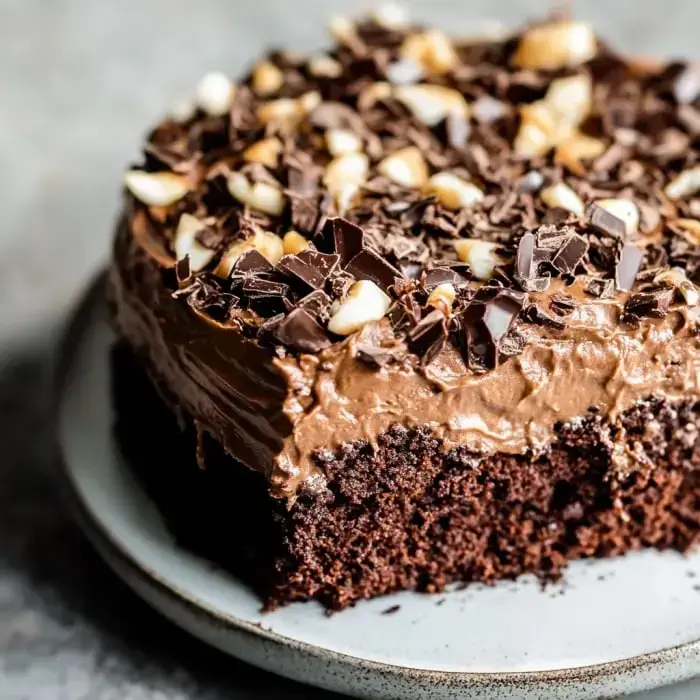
406 167
215 94
267 79
294 243
556 45
432 103
365 302
562 196
156 189
265 152
452 191
263 196
481 256
268 244
342 141
186 244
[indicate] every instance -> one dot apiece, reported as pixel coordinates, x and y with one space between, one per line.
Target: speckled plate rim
322 667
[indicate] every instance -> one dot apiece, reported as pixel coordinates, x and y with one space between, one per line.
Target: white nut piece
481 256
343 30
185 243
373 93
556 45
345 197
342 141
294 243
262 196
443 297
183 111
156 189
553 120
266 151
268 244
624 209
690 227
453 191
391 15
405 167
432 50
267 79
348 169
677 278
562 196
215 94
576 149
685 184
365 302
286 113
324 66
432 103
571 98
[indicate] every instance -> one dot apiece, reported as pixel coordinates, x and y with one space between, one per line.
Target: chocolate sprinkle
428 337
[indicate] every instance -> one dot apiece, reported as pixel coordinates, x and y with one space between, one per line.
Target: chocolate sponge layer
409 514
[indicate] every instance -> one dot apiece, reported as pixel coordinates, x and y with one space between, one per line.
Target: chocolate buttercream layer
489 237
273 414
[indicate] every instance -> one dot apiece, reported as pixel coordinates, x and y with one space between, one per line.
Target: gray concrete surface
79 82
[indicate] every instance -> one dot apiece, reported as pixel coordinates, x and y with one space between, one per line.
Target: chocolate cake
417 310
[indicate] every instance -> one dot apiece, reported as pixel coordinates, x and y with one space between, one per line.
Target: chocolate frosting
272 414
515 228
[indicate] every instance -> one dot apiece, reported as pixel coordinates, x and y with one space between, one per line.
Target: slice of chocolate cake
417 310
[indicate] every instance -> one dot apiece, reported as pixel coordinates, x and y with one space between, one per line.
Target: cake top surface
464 190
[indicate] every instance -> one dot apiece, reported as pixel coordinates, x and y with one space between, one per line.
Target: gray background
79 82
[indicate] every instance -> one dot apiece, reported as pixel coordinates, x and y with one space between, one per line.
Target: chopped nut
562 196
691 227
405 167
156 189
286 113
263 196
432 50
625 210
687 183
481 256
343 30
215 94
268 244
570 98
344 197
556 45
341 141
267 79
365 302
443 297
432 103
373 93
348 169
676 277
183 111
267 151
324 67
553 120
185 243
391 16
577 148
452 191
294 243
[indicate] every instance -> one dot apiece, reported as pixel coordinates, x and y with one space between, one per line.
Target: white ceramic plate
613 627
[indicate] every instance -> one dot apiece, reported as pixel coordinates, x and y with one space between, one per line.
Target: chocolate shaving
310 267
601 289
534 314
378 357
300 331
252 261
602 220
653 304
368 264
428 337
570 254
628 266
